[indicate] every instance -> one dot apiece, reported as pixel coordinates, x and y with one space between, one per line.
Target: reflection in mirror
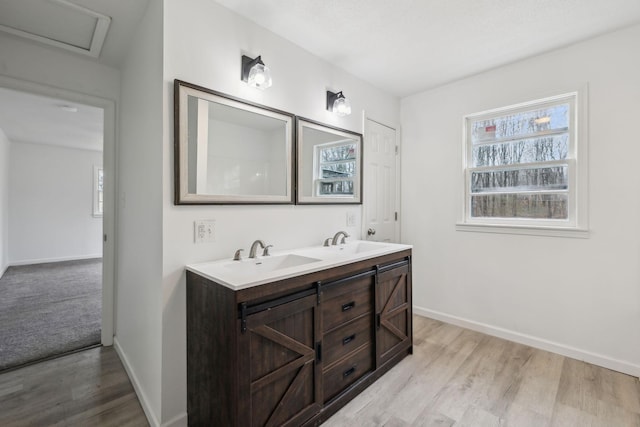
231 151
329 164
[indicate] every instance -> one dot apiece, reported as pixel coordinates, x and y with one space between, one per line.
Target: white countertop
246 273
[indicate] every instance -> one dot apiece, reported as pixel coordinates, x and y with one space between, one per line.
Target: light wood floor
455 377
88 388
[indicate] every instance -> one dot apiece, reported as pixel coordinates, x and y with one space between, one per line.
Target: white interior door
380 221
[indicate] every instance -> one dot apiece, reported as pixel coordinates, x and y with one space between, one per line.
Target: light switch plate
205 231
351 219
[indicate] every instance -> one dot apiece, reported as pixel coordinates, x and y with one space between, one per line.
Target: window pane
535 206
521 124
340 152
519 180
343 170
523 151
336 187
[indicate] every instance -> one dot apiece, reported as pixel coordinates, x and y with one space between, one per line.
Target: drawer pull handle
348 306
347 340
348 372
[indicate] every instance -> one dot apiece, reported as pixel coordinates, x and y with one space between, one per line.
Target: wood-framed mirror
230 151
329 164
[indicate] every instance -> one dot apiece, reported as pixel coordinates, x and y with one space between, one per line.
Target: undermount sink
271 263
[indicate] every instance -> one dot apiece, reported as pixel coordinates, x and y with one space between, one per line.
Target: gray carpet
49 309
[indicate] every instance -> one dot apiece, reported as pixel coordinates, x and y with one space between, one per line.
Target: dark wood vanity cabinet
292 352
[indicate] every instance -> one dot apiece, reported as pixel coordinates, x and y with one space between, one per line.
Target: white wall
31 62
51 204
203 44
577 296
139 242
5 150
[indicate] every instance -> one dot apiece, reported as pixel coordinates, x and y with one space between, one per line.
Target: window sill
579 233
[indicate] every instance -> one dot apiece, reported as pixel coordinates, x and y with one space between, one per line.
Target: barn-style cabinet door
393 311
278 369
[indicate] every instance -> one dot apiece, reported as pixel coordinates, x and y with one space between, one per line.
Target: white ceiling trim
97 39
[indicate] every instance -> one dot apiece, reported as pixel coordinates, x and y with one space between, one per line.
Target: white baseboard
153 420
177 421
564 350
59 259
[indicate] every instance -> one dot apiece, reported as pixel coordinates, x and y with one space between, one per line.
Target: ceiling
400 46
406 46
60 20
125 16
37 119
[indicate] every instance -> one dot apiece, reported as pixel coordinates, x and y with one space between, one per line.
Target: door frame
397 229
109 166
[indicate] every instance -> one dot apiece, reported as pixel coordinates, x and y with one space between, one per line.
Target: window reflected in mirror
336 168
329 164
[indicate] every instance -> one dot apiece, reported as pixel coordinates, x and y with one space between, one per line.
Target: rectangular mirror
329 164
230 151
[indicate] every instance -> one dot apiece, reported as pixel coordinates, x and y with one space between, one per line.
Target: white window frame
577 223
97 213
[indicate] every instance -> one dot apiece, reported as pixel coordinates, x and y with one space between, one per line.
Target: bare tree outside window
520 163
336 168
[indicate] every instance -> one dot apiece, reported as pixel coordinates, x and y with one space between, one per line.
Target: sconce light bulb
260 77
342 106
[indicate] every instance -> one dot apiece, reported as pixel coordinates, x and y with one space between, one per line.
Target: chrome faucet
254 248
337 235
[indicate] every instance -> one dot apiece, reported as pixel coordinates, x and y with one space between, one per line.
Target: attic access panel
57 23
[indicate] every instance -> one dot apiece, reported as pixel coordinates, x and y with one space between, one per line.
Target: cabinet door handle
348 372
348 306
347 340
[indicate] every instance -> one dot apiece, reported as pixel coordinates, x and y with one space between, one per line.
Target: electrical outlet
205 230
351 219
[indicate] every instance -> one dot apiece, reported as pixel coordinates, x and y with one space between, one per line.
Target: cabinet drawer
347 338
346 301
347 372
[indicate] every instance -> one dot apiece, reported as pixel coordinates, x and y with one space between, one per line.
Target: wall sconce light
255 73
338 104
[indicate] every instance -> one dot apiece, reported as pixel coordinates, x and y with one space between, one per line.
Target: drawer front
347 338
347 301
347 372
